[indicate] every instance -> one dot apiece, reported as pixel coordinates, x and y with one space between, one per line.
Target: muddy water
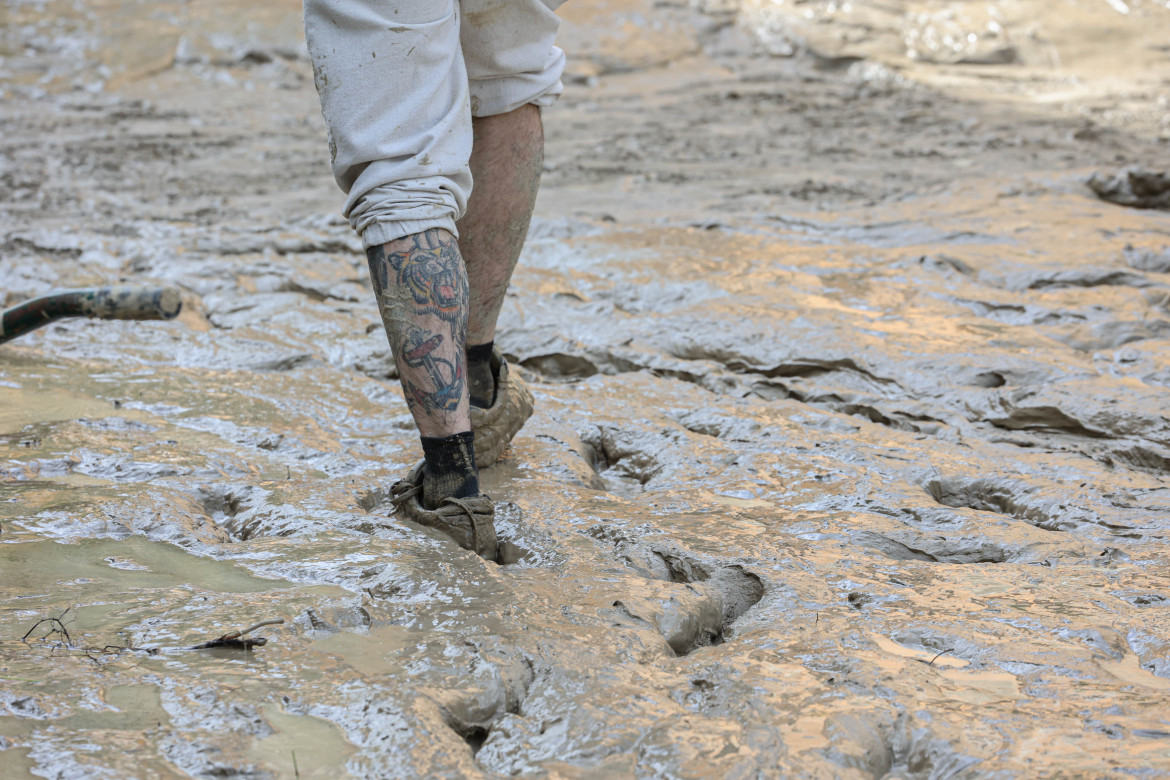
851 440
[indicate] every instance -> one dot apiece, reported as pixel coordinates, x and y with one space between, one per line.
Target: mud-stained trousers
399 82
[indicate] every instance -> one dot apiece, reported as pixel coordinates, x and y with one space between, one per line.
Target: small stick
233 639
944 652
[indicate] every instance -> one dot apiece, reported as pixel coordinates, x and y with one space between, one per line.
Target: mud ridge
1044 418
943 550
742 376
1080 277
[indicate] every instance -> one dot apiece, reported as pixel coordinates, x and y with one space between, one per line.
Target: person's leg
506 159
513 68
394 95
421 288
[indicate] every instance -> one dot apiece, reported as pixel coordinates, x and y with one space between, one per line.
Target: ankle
450 470
481 382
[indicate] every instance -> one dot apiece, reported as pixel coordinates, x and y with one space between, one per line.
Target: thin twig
60 629
34 627
231 640
944 652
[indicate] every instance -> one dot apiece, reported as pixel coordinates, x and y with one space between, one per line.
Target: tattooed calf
430 269
421 288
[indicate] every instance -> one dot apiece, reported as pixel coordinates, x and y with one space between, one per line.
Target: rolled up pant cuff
493 95
383 232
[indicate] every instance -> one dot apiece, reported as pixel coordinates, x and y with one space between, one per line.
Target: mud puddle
851 440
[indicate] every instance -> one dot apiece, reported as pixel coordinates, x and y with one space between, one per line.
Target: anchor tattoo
447 377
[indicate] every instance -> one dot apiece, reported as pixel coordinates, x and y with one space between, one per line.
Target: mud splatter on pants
399 82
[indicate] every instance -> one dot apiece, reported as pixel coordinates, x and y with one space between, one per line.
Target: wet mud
851 443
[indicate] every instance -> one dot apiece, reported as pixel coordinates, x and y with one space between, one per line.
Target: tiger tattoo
430 271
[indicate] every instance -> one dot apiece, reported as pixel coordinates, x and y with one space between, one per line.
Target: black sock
450 470
480 382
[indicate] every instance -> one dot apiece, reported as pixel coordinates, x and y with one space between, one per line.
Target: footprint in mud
248 512
1148 259
1049 507
559 365
698 614
224 504
942 535
624 460
501 678
1005 497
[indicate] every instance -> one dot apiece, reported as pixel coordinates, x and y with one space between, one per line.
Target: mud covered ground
851 440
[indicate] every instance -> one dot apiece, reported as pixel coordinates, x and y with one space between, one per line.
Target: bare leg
421 286
506 160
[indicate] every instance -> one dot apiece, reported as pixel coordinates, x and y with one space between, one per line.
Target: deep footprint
699 614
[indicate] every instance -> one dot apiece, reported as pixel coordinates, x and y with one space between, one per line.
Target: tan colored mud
851 441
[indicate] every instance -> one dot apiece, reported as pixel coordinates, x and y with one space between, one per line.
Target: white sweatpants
399 81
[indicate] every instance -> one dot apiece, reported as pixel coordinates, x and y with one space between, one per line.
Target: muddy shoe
469 521
495 426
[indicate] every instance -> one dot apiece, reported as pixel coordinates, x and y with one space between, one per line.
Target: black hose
102 303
